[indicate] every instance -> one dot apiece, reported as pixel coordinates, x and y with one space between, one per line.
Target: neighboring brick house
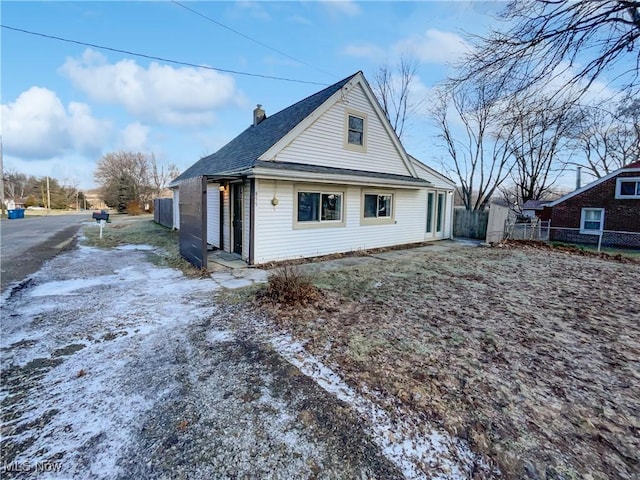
610 205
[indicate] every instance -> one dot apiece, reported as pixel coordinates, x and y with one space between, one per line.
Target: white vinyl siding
323 143
276 239
213 214
176 209
226 221
436 180
246 219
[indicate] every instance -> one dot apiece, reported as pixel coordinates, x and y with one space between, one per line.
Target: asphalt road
28 242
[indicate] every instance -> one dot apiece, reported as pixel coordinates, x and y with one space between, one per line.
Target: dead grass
126 230
530 354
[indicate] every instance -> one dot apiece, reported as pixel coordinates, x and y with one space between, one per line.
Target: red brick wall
619 215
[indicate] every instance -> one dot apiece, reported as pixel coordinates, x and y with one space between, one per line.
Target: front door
236 217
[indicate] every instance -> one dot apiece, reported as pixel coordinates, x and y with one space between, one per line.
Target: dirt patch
335 256
531 355
626 257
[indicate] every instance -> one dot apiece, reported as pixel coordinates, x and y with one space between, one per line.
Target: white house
325 175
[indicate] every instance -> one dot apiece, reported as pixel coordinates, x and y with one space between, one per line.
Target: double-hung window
355 135
592 221
356 130
317 207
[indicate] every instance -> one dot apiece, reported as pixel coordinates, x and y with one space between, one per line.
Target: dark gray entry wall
193 220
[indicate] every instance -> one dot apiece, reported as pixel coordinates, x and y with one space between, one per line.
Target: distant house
610 205
534 208
326 175
14 203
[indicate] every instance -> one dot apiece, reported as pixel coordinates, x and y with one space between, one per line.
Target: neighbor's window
319 207
628 187
592 220
356 130
377 206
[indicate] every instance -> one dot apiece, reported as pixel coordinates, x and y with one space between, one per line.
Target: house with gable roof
608 206
326 175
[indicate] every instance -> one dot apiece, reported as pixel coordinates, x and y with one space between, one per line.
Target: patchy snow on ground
410 443
113 367
136 247
72 342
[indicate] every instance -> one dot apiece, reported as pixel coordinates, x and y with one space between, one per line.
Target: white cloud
70 169
434 46
299 19
365 50
342 7
245 8
160 93
134 138
37 125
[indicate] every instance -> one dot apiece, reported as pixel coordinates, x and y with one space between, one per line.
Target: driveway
30 241
115 368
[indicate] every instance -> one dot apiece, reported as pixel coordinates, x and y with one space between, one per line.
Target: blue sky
64 105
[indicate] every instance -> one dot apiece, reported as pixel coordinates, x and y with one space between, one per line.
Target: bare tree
15 184
607 138
547 39
392 87
540 138
161 175
127 177
480 158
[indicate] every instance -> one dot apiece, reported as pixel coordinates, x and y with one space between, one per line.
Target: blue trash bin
11 214
20 212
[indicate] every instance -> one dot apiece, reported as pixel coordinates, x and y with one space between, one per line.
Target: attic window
355 136
356 130
628 187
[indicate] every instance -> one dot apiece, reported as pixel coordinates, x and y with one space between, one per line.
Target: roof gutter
324 177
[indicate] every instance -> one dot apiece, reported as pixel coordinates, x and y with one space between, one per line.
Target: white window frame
619 181
318 223
365 125
378 220
589 231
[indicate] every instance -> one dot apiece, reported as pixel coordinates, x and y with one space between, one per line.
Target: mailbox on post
102 217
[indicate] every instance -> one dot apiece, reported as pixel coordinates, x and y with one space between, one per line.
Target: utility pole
2 182
48 197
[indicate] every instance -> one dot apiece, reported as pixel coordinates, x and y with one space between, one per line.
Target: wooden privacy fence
470 223
163 211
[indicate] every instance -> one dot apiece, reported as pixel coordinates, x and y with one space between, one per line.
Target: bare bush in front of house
289 285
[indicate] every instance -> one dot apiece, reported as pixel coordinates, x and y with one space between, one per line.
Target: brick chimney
258 115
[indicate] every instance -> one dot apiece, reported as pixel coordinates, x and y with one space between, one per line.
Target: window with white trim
378 205
592 221
628 187
319 207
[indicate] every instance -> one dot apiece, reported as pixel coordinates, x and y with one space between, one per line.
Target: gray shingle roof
243 151
301 167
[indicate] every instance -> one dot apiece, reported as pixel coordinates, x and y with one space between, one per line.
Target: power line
220 24
166 60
